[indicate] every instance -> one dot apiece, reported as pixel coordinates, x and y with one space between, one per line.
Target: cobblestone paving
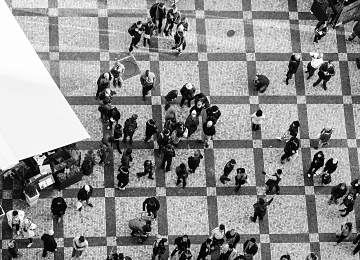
78 40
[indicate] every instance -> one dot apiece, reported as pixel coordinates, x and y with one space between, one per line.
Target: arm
144 204
271 177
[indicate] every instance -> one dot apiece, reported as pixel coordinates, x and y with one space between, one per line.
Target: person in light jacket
15 219
314 64
257 119
79 245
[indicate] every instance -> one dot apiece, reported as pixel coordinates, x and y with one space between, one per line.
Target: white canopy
34 115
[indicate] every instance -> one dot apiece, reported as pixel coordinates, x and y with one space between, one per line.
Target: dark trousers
147 137
313 169
146 89
256 215
356 241
123 182
319 80
224 177
104 158
146 41
183 101
100 89
76 253
289 75
318 37
286 155
17 226
153 212
169 25
238 184
159 25
13 252
255 127
134 41
44 254
310 70
179 179
346 211
117 144
340 238
277 188
130 138
168 161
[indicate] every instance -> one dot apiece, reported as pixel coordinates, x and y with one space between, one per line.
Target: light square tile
264 238
296 250
217 40
257 143
60 242
102 12
226 5
293 16
96 179
185 221
199 14
343 251
301 99
352 143
104 56
160 191
211 191
202 56
309 190
155 100
54 55
89 4
223 85
254 100
111 241
354 74
260 190
275 6
109 192
250 57
90 253
53 12
353 46
342 56
314 237
356 109
247 15
347 99
89 116
25 4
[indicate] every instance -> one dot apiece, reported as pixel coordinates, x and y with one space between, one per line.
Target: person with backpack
293 130
182 174
104 153
147 80
85 194
126 158
158 14
257 118
321 30
50 244
123 177
317 162
114 117
148 29
261 83
291 148
135 32
204 250
150 130
324 137
172 95
173 17
326 71
130 127
273 181
260 209
331 165
292 67
169 153
187 92
159 249
117 135
170 112
148 170
194 161
163 140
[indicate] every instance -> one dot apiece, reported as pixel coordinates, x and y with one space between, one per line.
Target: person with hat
123 177
159 248
214 113
257 118
58 208
151 206
182 174
250 248
150 130
273 181
260 209
324 136
15 219
293 130
148 29
169 153
163 140
118 132
79 245
192 122
261 83
337 192
317 162
194 161
229 166
314 64
117 71
127 158
326 71
240 178
147 80
208 133
84 194
290 149
188 93
13 249
103 83
173 17
130 127
50 244
292 67
158 14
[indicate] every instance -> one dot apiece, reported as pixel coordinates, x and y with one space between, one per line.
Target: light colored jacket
79 246
258 120
316 61
21 215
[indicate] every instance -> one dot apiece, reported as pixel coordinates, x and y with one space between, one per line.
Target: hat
134 116
279 171
214 108
232 161
87 188
197 152
51 232
188 85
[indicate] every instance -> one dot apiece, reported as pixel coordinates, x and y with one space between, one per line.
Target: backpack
358 62
131 29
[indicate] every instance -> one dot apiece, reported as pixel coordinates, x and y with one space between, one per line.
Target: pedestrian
127 158
58 208
180 132
273 181
337 192
250 248
290 149
345 231
88 163
50 244
214 113
312 256
229 166
188 93
314 64
331 165
325 178
324 136
158 14
123 177
240 178
103 83
148 169
117 71
114 117
105 96
150 130
201 102
192 122
104 153
104 110
170 112
261 83
194 161
84 194
15 219
28 231
293 130
13 249
180 40
208 133
148 30
159 249
107 140
183 25
118 133
79 245
356 31
172 95
348 203
181 244
257 118
173 17
260 209
169 153
130 127
317 162
355 185
232 237
227 252
326 71
204 250
218 236
151 206
321 30
292 67
356 242
185 255
182 174
163 140
147 80
135 32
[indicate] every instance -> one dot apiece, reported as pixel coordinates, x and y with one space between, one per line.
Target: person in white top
314 64
79 245
228 252
15 219
257 119
218 235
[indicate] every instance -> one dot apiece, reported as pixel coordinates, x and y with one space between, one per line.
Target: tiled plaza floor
79 40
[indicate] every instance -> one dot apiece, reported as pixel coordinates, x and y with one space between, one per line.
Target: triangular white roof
34 115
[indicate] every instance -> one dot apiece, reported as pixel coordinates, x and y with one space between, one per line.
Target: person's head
208 241
121 256
261 201
185 237
232 232
128 151
169 146
335 161
139 24
312 256
222 227
296 123
197 153
183 19
240 170
118 127
214 109
164 240
279 172
147 227
162 5
11 244
232 162
174 8
252 241
81 239
321 55
209 124
188 85
256 79
327 128
51 232
152 122
320 154
231 247
15 213
107 92
349 225
343 185
167 106
152 201
259 113
285 257
193 113
295 57
106 76
182 166
147 73
166 131
173 120
87 188
59 200
134 117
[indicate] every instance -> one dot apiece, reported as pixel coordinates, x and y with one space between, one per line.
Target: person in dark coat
293 130
171 125
337 192
103 83
150 129
261 83
163 140
181 244
194 161
192 122
159 249
114 117
58 208
201 98
348 202
151 206
326 71
104 110
291 148
356 242
84 194
317 162
214 113
13 249
173 17
104 153
293 66
208 132
158 14
331 165
169 153
148 169
186 255
88 163
180 40
148 30
182 174
273 181
50 244
130 127
123 177
118 132
204 250
260 209
126 159
240 178
135 32
229 166
188 93
172 95
250 247
232 237
321 30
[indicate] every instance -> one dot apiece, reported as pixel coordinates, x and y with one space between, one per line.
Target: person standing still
356 32
260 209
50 244
240 178
314 64
168 154
150 130
135 32
273 181
326 71
158 14
293 66
321 30
229 166
79 245
147 80
58 208
257 119
324 137
208 133
84 194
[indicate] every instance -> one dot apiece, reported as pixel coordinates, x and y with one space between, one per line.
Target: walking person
117 71
180 132
80 244
50 244
257 119
290 149
150 130
292 67
15 219
250 248
169 153
151 206
355 186
260 209
326 71
118 132
58 208
356 32
201 102
127 158
135 32
314 64
148 169
261 83
173 17
114 117
218 236
84 194
214 113
227 252
172 95
293 130
208 133
312 256
170 112
273 181
337 192
204 250
331 165
163 140
348 203
13 249
28 231
130 127
240 178
324 137
182 174
345 231
188 93
180 41
159 249
192 122
232 237
147 80
317 162
104 153
158 14
123 177
321 30
229 167
194 161
181 244
103 83
148 30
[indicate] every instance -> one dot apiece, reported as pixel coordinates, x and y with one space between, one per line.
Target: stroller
140 227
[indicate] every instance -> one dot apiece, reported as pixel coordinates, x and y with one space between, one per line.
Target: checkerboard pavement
78 40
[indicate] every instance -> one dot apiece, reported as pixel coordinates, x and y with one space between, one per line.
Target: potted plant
89 162
68 176
31 194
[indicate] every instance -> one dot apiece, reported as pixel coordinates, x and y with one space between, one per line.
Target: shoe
252 219
288 159
150 177
351 38
315 84
121 188
287 82
130 142
143 98
277 193
80 209
136 46
207 146
223 182
279 139
29 245
171 33
173 48
227 179
90 205
324 87
120 152
282 162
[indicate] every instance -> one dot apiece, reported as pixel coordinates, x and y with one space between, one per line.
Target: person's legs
178 181
189 102
324 83
117 144
285 156
340 238
277 188
147 138
171 26
44 254
253 218
182 101
73 252
131 139
184 182
356 249
168 164
162 165
144 91
288 76
124 183
174 252
352 36
124 138
317 82
160 25
166 28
